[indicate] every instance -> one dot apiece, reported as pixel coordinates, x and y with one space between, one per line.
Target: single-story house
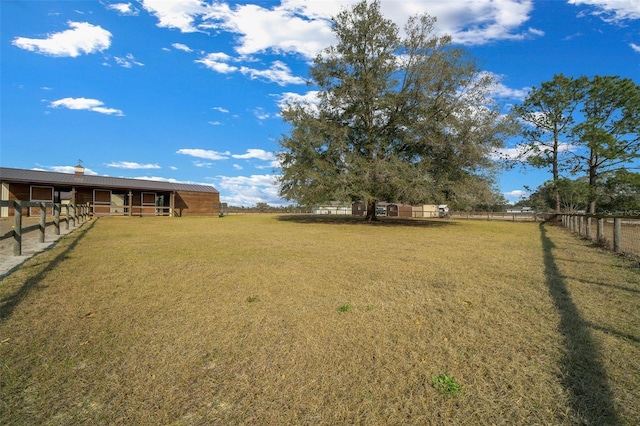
108 196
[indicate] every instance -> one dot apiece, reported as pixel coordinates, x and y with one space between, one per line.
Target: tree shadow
584 377
330 219
10 302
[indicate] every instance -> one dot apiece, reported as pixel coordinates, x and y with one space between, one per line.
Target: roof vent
79 170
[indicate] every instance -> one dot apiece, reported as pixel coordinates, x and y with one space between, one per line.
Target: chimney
79 170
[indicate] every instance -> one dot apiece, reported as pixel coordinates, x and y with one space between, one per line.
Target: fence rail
618 233
75 214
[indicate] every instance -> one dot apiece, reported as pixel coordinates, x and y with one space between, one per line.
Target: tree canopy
398 118
582 125
618 194
548 113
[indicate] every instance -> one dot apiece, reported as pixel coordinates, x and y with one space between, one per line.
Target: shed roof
53 178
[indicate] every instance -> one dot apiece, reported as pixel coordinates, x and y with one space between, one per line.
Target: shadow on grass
357 220
9 302
584 377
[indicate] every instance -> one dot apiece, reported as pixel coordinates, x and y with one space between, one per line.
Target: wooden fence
75 214
618 233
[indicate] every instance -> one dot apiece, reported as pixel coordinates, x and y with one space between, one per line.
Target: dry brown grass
238 321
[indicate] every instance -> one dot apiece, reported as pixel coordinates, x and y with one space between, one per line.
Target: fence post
589 228
600 229
66 218
73 215
580 225
617 234
17 229
56 218
43 221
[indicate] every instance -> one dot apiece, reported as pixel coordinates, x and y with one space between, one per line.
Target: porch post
172 204
130 202
43 222
17 230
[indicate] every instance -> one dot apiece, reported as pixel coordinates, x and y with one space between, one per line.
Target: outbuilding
108 196
399 210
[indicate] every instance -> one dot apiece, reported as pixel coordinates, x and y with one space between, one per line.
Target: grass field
308 320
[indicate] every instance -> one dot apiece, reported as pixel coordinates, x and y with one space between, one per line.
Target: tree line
410 119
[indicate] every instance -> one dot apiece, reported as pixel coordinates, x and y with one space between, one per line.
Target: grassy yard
319 321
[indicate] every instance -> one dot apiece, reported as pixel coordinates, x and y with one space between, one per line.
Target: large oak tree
399 118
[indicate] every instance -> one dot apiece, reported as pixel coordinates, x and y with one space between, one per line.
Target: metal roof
67 179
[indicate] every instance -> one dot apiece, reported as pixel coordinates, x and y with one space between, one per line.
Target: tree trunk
593 182
371 211
556 173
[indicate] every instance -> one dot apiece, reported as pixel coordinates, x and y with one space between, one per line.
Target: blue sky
188 90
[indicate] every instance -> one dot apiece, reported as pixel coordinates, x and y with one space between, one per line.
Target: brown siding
197 203
84 195
42 193
187 203
18 192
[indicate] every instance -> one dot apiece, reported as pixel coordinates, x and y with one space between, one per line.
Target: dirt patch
31 244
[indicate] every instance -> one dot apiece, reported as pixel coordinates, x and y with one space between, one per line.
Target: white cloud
278 73
179 14
469 22
85 104
237 167
614 11
249 190
515 195
220 109
182 47
131 165
303 27
259 154
204 153
81 38
215 123
523 152
218 63
69 169
128 61
292 27
123 8
635 47
311 98
502 91
536 32
261 114
158 179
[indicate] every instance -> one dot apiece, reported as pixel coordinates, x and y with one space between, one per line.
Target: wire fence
620 234
526 216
